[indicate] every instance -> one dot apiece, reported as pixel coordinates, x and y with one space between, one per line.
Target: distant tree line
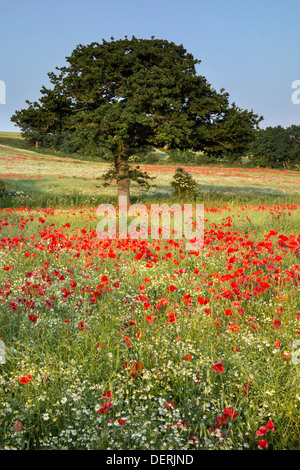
273 147
277 147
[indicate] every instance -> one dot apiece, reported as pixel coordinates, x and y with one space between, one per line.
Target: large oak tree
128 94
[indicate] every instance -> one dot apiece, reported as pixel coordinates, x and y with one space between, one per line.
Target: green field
11 135
140 343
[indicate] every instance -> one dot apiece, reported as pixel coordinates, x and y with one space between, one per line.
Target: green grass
52 266
59 407
11 135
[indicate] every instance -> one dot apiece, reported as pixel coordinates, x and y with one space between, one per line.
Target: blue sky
251 49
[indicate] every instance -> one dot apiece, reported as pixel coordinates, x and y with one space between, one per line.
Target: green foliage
133 174
186 157
146 156
129 94
2 187
184 184
277 147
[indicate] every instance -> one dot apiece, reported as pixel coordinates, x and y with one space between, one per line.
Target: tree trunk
124 190
123 179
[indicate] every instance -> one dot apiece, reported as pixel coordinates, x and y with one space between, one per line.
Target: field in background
31 173
10 134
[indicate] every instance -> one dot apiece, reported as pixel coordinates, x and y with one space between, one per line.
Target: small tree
184 184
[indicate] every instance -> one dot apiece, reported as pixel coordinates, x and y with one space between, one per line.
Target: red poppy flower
103 409
150 319
172 317
105 279
127 340
202 301
32 317
133 367
172 288
18 426
218 367
262 431
188 357
81 326
25 379
122 422
229 413
169 405
270 426
262 444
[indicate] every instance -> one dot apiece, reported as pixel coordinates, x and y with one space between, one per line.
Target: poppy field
139 344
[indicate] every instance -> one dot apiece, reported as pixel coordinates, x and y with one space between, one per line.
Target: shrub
184 184
186 157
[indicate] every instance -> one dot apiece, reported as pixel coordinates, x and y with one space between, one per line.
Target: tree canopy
277 147
128 94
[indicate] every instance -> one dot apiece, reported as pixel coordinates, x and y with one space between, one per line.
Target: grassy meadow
139 343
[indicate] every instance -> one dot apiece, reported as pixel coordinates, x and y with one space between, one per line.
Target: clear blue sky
249 48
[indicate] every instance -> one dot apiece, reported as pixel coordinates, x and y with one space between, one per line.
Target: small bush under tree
184 184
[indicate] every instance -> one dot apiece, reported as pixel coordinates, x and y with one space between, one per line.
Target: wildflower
150 319
270 426
247 388
25 379
263 444
172 317
103 409
218 367
133 367
188 357
169 405
261 431
122 422
229 413
202 300
32 317
104 279
193 440
172 288
81 326
128 341
181 424
18 426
